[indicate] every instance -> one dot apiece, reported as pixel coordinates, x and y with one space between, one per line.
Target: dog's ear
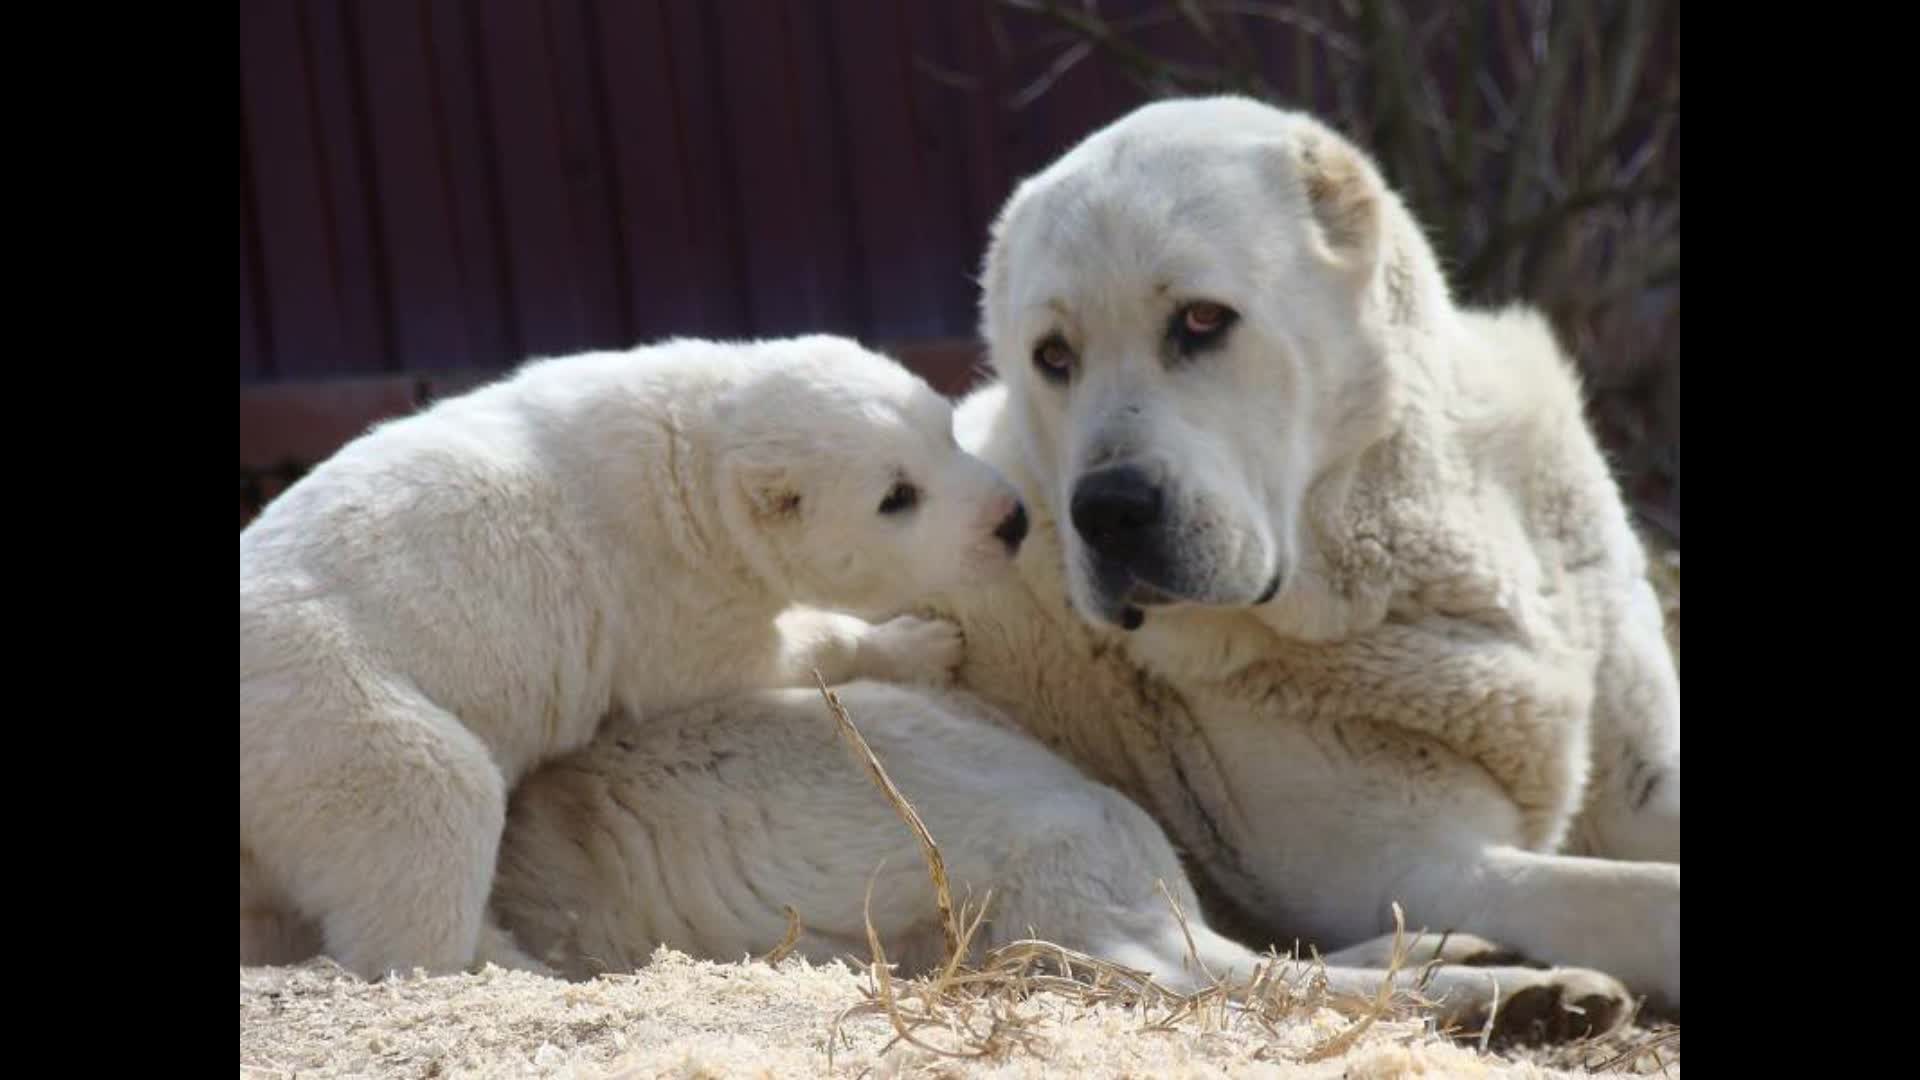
765 484
1344 194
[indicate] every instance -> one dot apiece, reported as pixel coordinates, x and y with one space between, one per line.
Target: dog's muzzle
1121 514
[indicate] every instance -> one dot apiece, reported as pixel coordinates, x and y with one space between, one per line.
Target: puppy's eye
902 497
1054 357
1201 325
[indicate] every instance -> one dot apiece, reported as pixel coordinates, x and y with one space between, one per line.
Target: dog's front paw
1560 1005
910 649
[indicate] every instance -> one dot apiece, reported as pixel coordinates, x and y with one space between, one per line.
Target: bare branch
1061 65
1153 73
1508 236
1306 24
945 76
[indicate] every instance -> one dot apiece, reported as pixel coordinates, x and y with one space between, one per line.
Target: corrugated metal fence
433 190
435 184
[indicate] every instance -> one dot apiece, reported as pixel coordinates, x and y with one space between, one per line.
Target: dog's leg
1426 948
1619 917
1544 1003
1633 809
384 829
270 931
907 649
1106 881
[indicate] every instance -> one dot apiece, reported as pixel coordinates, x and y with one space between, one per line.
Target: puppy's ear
1344 194
766 485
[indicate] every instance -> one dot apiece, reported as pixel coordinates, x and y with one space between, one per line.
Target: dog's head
842 480
1191 311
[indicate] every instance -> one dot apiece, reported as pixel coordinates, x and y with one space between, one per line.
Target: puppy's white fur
464 593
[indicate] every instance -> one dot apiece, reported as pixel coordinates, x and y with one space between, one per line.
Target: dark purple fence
432 185
433 190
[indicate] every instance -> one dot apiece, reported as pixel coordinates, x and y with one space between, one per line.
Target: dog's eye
1054 358
1201 324
903 496
1205 318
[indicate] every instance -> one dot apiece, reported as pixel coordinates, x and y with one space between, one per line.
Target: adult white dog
461 594
1356 609
1326 574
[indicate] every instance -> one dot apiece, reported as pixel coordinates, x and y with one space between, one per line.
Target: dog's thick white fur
693 829
1392 636
461 594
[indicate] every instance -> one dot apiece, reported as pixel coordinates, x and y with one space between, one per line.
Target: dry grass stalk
779 952
1186 932
1493 1010
935 864
1383 1003
1651 1044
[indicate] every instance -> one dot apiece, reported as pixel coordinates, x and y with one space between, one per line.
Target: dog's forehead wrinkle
1116 284
1085 216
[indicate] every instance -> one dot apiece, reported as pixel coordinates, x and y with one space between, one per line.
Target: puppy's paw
911 649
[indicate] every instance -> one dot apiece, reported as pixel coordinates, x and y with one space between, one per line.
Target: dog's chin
1113 595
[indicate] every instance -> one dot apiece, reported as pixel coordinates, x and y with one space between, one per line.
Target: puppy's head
842 470
1188 313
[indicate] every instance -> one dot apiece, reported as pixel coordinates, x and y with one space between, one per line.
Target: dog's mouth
1272 590
1139 597
1145 595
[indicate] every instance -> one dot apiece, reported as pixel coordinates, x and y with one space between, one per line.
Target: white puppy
461 594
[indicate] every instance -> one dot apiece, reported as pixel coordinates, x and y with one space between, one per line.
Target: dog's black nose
1115 509
1013 529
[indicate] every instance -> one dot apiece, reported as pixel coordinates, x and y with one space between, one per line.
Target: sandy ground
681 1017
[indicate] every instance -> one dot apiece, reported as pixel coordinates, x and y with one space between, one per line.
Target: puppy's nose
1013 529
1116 508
